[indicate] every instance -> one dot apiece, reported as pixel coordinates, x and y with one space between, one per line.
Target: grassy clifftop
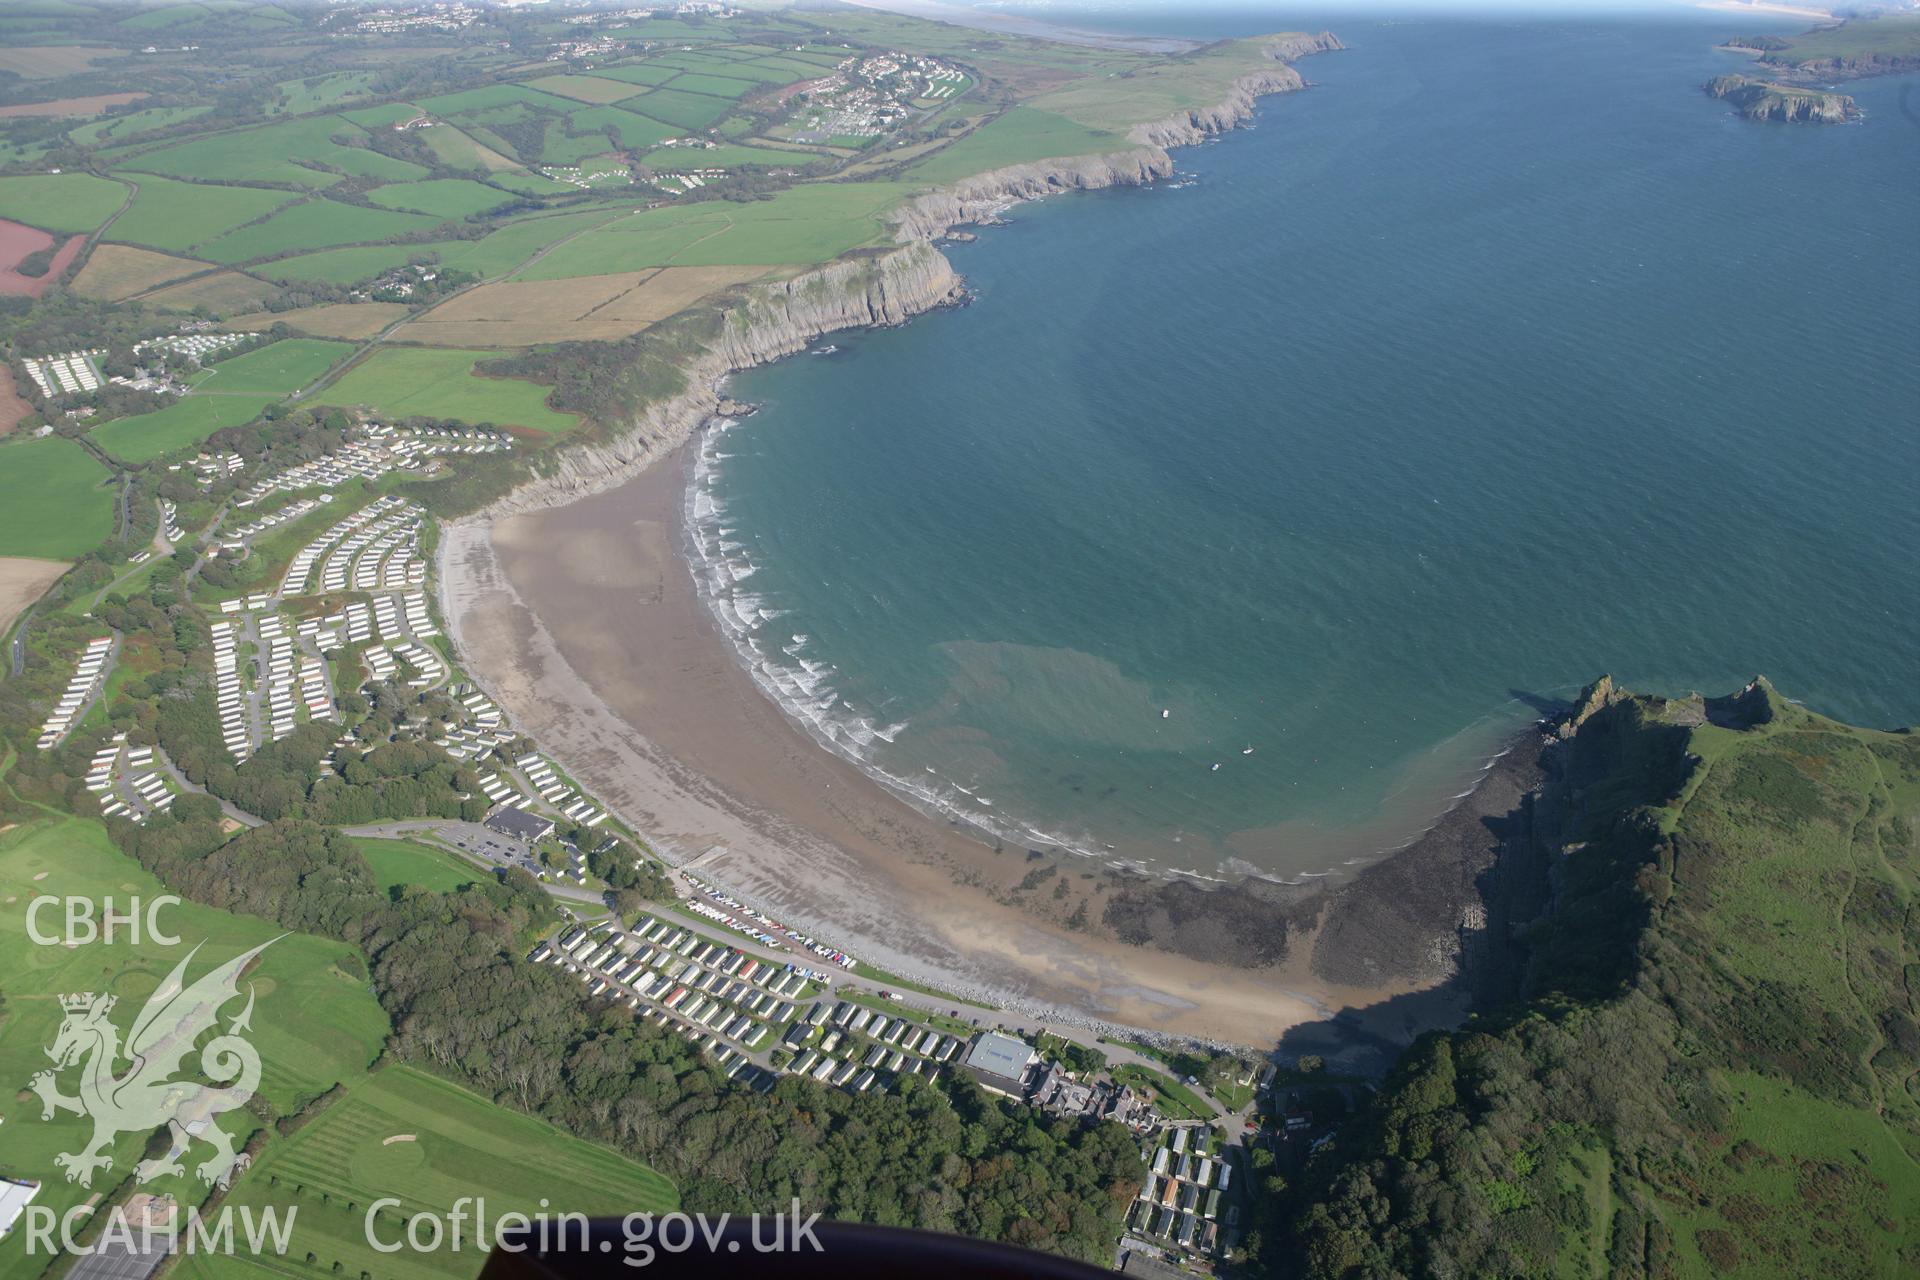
1714 1068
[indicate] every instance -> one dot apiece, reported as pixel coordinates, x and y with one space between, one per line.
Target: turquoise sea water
1501 358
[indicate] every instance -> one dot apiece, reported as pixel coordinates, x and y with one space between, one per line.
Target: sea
1242 519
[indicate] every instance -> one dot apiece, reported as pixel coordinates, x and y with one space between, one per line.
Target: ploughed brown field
22 581
92 106
584 308
13 406
16 242
117 271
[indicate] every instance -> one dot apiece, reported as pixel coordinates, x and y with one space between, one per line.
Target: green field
384 116
314 1022
699 59
718 86
178 215
314 223
146 436
278 369
1021 135
440 197
645 73
494 254
403 381
226 394
52 504
583 88
634 131
96 133
785 70
446 1144
501 251
400 863
457 150
801 225
298 97
491 100
349 266
725 156
1891 36
273 153
532 184
686 110
60 201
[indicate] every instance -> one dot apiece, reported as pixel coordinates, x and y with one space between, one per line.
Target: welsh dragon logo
147 1095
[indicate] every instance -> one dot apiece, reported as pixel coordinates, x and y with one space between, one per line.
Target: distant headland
1763 100
1887 44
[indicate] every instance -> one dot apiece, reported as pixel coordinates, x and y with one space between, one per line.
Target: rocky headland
1785 104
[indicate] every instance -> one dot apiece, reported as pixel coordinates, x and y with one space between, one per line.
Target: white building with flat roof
14 1199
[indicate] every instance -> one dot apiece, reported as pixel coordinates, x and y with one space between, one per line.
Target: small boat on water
1165 712
827 350
1246 751
1215 769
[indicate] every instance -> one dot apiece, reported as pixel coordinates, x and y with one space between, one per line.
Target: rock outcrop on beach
1762 100
1409 921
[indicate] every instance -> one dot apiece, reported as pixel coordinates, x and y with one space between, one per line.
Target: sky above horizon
1064 10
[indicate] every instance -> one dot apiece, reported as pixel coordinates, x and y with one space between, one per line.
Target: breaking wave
805 687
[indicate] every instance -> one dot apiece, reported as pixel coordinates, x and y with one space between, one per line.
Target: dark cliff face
1760 100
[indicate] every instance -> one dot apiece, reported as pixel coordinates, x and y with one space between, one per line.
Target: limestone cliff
986 194
1187 127
983 195
887 287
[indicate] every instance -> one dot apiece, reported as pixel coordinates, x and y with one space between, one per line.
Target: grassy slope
1800 888
314 1023
398 863
146 436
168 214
225 395
280 368
803 225
1743 1100
52 503
462 1145
410 380
1895 36
441 197
1021 135
312 224
60 202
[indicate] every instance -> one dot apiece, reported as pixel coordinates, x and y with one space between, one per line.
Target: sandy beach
584 621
